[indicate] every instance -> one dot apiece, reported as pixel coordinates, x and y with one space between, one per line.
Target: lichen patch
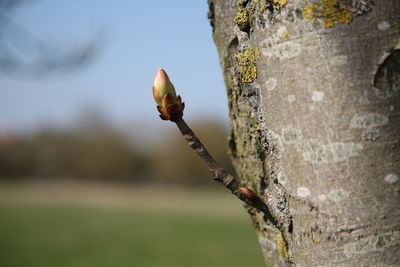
338 195
303 192
242 18
310 11
276 145
291 135
371 134
282 179
271 84
281 246
383 25
391 178
247 64
331 11
266 245
278 4
322 197
332 153
371 244
283 51
368 120
282 32
317 96
291 98
362 7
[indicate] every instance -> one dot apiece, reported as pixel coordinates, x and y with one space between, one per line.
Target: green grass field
58 227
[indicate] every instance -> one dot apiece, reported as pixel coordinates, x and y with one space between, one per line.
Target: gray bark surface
317 132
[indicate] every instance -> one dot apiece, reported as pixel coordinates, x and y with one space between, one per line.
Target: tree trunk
314 98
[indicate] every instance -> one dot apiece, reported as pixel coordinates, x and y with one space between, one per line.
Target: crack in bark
276 197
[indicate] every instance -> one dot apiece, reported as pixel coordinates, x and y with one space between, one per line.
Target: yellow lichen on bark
279 3
281 246
309 11
317 240
242 17
247 64
331 11
284 34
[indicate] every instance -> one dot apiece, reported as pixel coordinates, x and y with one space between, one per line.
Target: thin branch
220 174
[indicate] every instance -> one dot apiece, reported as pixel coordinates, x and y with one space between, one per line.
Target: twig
220 174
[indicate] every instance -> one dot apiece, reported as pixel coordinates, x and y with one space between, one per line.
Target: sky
137 38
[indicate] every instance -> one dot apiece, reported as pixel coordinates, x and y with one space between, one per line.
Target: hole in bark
387 78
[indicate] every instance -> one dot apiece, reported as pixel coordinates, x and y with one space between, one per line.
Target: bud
248 193
250 197
162 86
169 105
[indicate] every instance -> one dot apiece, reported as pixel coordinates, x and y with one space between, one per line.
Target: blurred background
89 175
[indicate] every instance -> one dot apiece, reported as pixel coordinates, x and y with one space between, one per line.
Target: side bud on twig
250 197
169 105
248 193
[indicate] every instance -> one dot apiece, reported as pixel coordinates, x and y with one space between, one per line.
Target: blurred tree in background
22 53
96 150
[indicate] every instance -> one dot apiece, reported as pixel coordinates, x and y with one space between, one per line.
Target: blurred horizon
94 150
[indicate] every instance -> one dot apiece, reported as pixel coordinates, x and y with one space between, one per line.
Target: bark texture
314 98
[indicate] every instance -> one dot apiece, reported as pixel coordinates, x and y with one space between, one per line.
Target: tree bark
314 99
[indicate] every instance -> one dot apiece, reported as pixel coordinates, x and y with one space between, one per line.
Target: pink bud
169 105
163 86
